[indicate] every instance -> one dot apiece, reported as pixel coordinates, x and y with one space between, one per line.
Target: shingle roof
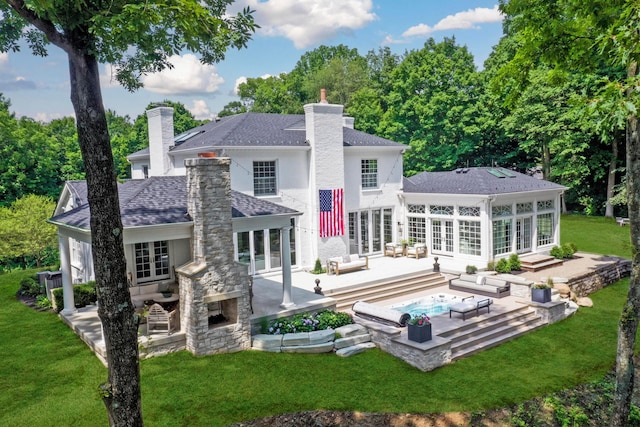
481 180
261 130
161 200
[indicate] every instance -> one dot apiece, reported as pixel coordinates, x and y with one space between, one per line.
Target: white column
65 268
287 300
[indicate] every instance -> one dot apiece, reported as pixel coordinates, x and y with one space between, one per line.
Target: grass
598 235
50 377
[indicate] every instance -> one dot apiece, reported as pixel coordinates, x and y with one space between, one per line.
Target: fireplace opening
224 312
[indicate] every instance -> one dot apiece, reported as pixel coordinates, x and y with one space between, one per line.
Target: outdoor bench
346 263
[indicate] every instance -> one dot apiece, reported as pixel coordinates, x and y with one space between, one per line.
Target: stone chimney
160 125
214 289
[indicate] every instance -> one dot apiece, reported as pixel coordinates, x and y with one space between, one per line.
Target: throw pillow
346 258
480 280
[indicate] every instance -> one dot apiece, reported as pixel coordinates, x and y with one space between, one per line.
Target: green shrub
491 265
563 252
317 268
83 295
43 302
30 287
568 250
471 269
514 263
332 319
557 252
308 322
502 266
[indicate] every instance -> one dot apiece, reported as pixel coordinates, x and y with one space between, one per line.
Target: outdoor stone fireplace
214 289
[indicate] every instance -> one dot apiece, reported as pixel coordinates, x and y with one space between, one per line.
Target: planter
541 295
419 333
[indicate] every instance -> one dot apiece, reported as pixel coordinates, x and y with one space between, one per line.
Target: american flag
331 213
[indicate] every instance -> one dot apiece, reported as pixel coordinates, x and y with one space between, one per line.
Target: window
152 261
441 210
418 209
264 178
502 210
469 211
545 229
545 205
502 236
524 207
145 171
417 230
469 237
369 173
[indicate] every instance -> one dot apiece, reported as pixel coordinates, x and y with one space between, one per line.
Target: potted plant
541 292
419 328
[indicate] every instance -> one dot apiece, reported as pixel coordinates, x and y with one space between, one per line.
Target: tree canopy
135 38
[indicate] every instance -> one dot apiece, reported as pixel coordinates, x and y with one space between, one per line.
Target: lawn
50 377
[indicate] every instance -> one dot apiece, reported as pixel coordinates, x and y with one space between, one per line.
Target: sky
39 87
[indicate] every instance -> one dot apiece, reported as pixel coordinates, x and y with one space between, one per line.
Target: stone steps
382 290
539 262
476 336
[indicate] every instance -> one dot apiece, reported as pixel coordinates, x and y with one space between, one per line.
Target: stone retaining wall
603 276
353 339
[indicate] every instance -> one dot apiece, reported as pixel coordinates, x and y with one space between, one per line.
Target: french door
523 234
442 236
152 261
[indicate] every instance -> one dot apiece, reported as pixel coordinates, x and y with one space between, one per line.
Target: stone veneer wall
593 281
212 275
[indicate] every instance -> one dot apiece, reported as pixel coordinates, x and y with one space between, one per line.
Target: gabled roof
481 181
160 200
261 130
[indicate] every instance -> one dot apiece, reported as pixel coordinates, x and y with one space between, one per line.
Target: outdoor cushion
346 258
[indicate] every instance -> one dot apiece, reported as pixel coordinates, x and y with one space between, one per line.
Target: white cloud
389 40
47 117
243 79
200 110
460 21
188 76
108 77
4 59
239 81
311 22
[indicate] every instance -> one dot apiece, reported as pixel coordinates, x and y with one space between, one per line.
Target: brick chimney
324 131
160 124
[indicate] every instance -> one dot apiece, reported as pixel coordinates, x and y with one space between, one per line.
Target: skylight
496 173
182 138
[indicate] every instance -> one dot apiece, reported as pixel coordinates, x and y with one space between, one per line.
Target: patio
267 297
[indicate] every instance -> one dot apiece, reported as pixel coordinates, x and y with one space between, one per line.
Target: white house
312 186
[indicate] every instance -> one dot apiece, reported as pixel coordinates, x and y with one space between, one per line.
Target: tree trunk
546 161
629 318
611 177
121 393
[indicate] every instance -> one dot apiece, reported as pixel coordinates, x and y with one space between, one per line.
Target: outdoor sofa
481 285
342 264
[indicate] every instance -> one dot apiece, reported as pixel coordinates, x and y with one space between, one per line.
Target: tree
586 35
137 38
24 231
431 106
232 108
